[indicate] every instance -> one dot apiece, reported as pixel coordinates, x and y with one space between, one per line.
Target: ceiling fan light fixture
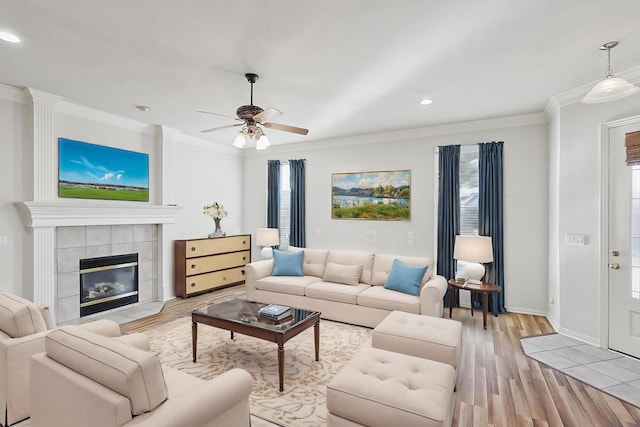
611 88
426 101
263 142
240 141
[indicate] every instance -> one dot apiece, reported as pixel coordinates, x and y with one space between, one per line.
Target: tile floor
611 372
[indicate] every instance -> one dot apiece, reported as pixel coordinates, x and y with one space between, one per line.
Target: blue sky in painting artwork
371 179
97 164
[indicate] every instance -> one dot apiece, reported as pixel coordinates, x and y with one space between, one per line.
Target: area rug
303 401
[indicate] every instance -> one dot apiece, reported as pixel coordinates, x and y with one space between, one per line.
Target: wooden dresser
205 264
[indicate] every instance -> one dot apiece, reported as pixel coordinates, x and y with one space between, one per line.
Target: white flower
215 211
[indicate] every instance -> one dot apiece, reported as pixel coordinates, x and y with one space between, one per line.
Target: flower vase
218 232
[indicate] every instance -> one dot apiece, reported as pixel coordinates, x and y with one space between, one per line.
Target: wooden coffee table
238 315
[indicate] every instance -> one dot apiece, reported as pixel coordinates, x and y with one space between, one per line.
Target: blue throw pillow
405 278
287 263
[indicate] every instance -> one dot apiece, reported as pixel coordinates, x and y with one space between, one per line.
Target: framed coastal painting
89 171
375 195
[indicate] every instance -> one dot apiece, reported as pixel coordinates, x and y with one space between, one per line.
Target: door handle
614 266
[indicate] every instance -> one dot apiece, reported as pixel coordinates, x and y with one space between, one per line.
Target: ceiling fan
253 118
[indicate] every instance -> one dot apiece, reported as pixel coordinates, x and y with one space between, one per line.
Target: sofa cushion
383 263
340 273
129 371
314 260
287 263
365 259
293 285
20 317
405 278
379 297
335 292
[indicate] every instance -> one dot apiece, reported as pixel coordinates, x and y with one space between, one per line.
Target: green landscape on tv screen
89 171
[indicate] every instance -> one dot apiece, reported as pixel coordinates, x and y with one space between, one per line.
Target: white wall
204 174
14 265
525 190
579 212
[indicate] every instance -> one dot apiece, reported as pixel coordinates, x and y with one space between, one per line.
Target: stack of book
275 312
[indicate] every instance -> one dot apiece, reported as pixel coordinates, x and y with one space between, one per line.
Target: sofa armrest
431 296
222 401
15 357
256 270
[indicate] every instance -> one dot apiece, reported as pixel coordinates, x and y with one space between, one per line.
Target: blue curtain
448 212
490 216
273 193
296 175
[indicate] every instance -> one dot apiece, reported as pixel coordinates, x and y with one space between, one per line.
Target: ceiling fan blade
267 115
286 128
221 127
216 114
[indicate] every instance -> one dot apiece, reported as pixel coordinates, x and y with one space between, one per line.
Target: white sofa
365 303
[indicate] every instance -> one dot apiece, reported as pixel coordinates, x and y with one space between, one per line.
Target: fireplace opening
108 282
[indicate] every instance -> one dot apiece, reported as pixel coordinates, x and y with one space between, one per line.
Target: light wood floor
497 384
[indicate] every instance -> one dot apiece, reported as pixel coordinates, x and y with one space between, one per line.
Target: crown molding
71 109
188 139
415 133
11 93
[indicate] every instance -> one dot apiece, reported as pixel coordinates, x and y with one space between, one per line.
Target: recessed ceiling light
143 108
426 101
8 37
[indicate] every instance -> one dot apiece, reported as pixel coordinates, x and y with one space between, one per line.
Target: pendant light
611 88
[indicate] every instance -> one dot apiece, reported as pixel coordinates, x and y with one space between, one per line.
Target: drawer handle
244 258
193 285
244 242
242 272
193 248
193 266
224 278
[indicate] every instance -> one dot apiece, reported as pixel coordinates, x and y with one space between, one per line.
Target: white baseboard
580 337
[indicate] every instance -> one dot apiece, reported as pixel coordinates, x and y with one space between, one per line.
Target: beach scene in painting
89 171
377 195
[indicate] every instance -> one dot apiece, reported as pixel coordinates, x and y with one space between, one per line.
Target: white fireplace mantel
60 214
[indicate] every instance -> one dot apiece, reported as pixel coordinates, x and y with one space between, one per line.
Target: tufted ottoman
383 388
428 337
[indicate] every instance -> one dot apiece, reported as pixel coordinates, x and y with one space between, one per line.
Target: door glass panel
635 232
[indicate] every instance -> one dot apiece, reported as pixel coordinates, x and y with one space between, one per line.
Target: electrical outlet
4 240
410 243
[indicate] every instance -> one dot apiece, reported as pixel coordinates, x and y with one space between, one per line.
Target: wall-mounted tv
89 171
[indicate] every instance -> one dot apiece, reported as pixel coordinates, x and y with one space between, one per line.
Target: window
469 196
285 206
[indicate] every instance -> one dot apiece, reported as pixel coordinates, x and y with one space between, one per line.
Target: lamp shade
267 237
610 89
473 249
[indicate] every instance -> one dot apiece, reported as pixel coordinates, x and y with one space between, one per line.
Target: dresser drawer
203 282
216 262
196 248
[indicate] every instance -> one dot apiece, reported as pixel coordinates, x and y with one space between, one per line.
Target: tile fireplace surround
76 243
62 233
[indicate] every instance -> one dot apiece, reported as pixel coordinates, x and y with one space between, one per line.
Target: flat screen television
90 171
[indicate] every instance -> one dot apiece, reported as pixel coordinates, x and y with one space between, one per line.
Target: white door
624 246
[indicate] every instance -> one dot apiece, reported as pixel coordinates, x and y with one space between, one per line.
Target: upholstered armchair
84 379
23 326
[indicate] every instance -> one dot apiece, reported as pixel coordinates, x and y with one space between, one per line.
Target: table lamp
475 250
267 238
